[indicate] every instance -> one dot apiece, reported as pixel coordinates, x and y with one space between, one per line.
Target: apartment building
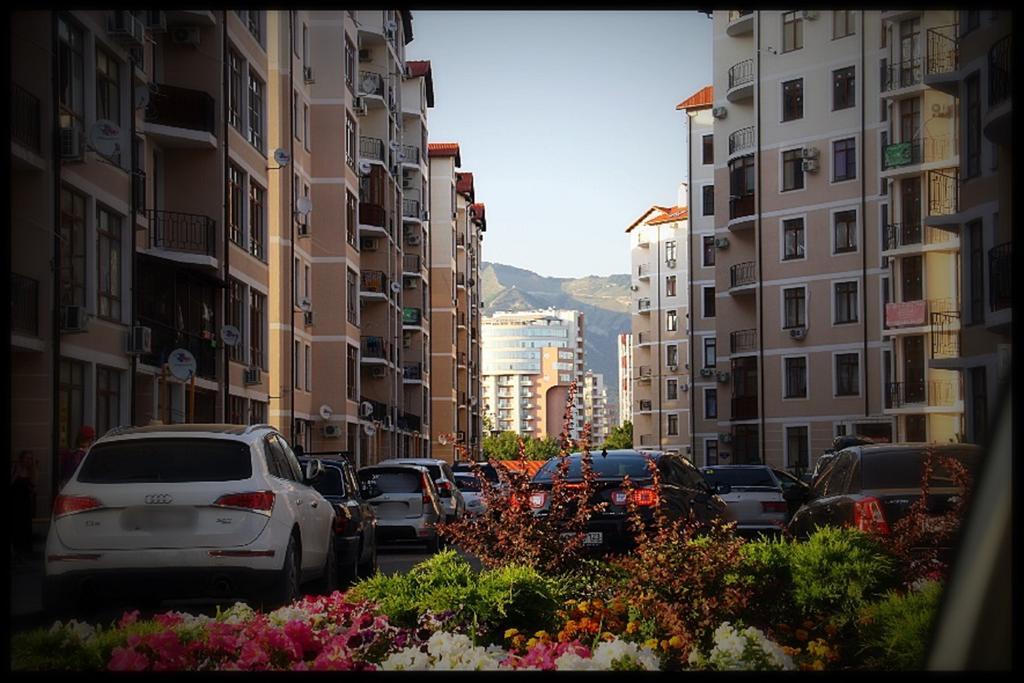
530 359
470 224
661 355
624 348
595 406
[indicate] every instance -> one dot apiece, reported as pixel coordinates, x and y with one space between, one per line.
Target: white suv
188 511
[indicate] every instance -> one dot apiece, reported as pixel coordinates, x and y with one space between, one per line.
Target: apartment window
235 315
236 208
843 88
709 302
795 307
108 87
70 73
670 251
350 66
309 367
711 452
305 126
793 239
709 200
847 374
254 22
305 45
844 231
72 253
108 244
257 308
846 302
971 19
710 358
352 291
792 31
236 410
352 372
708 149
673 425
710 404
797 448
842 23
670 285
672 389
708 246
297 365
672 354
255 111
71 397
912 279
257 221
972 142
257 412
108 399
976 261
296 268
671 321
844 159
351 142
792 170
793 99
235 90
295 115
796 377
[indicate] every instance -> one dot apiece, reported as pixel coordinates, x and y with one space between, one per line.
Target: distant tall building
625 353
595 406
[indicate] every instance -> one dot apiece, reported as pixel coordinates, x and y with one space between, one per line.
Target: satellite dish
281 157
369 430
326 411
105 137
182 364
230 335
306 305
366 409
364 167
395 144
444 440
395 287
303 206
141 97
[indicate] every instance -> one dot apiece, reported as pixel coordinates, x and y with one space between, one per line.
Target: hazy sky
567 121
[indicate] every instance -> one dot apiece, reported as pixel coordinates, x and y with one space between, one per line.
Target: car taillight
644 497
257 501
868 516
426 489
342 519
69 505
538 499
774 506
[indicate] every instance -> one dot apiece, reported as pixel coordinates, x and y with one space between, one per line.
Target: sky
567 121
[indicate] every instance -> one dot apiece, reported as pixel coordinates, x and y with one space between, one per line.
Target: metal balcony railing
412 370
409 154
1000 83
26 124
943 192
741 140
181 108
166 338
187 232
743 341
643 304
24 305
370 83
372 214
1000 277
371 148
743 274
412 316
374 347
410 208
921 392
943 50
896 235
380 410
744 407
411 263
901 74
741 73
741 205
945 334
373 281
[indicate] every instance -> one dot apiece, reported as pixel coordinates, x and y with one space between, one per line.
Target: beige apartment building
661 355
595 406
624 346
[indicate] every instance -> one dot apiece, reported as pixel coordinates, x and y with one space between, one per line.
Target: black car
489 470
355 525
685 494
872 487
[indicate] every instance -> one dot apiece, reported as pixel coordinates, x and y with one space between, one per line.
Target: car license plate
592 538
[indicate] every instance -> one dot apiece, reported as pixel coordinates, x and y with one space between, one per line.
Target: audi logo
158 499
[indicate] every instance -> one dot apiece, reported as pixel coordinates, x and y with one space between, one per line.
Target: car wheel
434 544
328 583
286 585
369 567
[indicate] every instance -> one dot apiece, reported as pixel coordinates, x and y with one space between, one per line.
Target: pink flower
168 619
128 619
253 657
169 649
278 641
127 659
302 635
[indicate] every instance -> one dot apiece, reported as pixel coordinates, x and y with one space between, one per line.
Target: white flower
409 659
447 651
237 613
283 615
748 650
608 652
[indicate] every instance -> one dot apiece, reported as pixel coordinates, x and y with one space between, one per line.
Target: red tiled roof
445 149
464 184
702 99
477 211
419 69
670 215
644 216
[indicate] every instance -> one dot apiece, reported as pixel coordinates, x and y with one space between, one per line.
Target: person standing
23 493
70 459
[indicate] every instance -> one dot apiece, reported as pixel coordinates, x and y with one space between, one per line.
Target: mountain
604 302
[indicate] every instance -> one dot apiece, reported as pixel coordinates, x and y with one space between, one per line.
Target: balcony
743 341
26 121
744 407
370 84
373 348
643 305
643 271
24 305
412 372
461 320
901 154
742 277
916 313
900 235
741 22
644 373
167 338
999 117
902 159
1000 277
741 206
184 233
412 317
741 140
371 148
372 215
408 422
181 117
943 197
741 81
462 360
409 155
941 69
460 240
945 334
411 264
901 75
645 406
379 411
460 280
643 241
940 393
373 282
411 209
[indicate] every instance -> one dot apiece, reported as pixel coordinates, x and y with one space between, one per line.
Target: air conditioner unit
359 106
369 243
390 26
809 165
673 368
685 388
809 153
413 240
723 377
722 242
942 111
379 372
302 230
411 283
127 29
307 74
798 333
671 263
307 318
719 112
707 372
252 375
365 56
365 409
332 431
186 35
71 143
156 20
810 14
138 340
73 319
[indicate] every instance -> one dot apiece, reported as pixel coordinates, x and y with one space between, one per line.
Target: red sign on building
905 314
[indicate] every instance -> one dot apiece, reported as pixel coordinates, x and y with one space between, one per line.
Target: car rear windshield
608 466
488 470
395 480
903 469
467 483
166 460
740 476
330 482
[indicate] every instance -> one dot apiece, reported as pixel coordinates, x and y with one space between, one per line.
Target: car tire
328 583
286 584
369 567
434 544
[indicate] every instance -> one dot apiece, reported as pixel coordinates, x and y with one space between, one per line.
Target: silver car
470 488
452 501
405 501
754 495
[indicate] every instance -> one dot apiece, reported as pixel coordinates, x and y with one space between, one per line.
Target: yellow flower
607 636
511 632
582 607
531 642
543 635
818 665
664 644
598 604
632 627
651 643
675 641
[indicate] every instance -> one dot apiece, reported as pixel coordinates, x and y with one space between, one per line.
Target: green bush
765 569
895 630
56 650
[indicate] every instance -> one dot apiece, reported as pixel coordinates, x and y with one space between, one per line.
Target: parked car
872 487
472 492
441 472
838 444
684 493
406 502
355 526
189 511
758 496
489 471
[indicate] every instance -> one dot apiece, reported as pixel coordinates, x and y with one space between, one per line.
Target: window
793 239
793 99
844 88
350 143
108 246
236 209
708 149
912 281
305 126
295 115
70 72
255 111
708 244
795 307
108 399
256 221
797 448
673 425
108 87
671 321
709 302
670 251
72 253
741 186
972 142
353 297
305 45
792 31
352 368
842 23
297 365
844 231
672 389
257 307
844 159
254 22
306 285
976 261
350 66
350 219
847 374
710 404
846 302
710 359
235 90
709 200
257 412
71 398
711 452
235 316
796 377
309 367
236 410
670 285
792 170
672 354
296 283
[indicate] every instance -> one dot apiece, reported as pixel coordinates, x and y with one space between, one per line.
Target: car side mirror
314 468
722 489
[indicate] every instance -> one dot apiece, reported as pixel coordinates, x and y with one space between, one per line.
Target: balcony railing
896 235
412 316
410 154
371 148
380 410
945 334
409 422
743 274
410 208
26 124
24 305
460 279
743 341
1000 84
373 281
901 154
375 347
741 205
644 371
643 305
901 74
943 50
921 392
741 140
741 74
460 240
943 192
371 83
181 108
372 214
1000 278
744 407
412 371
411 263
918 312
187 232
166 338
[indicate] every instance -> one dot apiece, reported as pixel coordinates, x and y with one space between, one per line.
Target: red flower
127 659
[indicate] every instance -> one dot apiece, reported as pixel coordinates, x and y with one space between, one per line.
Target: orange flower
830 630
675 641
632 627
808 624
801 635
